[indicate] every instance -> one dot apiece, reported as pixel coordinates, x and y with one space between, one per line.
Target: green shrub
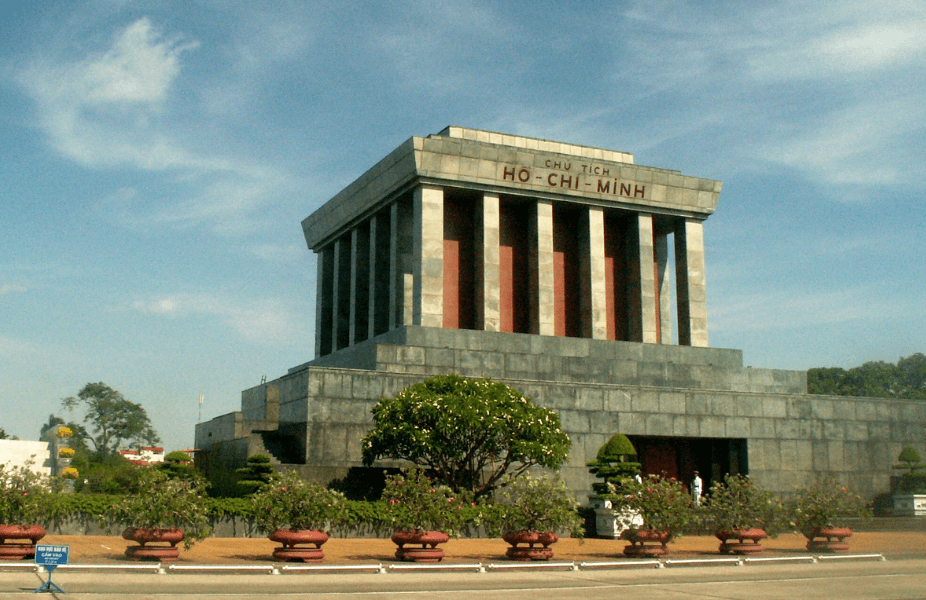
533 504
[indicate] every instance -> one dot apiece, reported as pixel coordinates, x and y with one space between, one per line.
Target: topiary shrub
910 460
614 463
255 475
178 465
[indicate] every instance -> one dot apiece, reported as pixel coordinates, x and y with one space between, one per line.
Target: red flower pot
646 543
741 541
827 539
19 551
144 536
530 545
297 545
428 540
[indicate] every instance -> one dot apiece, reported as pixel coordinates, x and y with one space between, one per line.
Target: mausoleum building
544 265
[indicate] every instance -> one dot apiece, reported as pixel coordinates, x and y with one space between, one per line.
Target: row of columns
389 271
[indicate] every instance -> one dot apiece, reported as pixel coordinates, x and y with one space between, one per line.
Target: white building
20 453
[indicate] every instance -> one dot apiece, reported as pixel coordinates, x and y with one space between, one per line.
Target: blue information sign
50 556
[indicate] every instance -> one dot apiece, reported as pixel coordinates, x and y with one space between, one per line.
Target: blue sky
158 158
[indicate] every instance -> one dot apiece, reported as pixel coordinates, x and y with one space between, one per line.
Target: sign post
50 557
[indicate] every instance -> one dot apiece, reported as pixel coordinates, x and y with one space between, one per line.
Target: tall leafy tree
114 421
875 379
471 434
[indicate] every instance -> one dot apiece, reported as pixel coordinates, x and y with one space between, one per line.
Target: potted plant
909 497
741 514
24 496
662 504
423 514
821 513
528 512
298 514
614 464
162 510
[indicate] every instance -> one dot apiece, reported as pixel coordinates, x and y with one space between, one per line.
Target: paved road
848 579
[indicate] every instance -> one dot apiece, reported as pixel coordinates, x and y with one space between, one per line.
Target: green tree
913 376
3 435
471 434
874 379
78 440
104 473
255 475
615 462
179 465
910 460
115 421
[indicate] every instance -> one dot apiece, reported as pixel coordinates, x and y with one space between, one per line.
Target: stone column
541 270
393 266
354 247
661 243
320 295
340 295
488 284
359 284
374 266
690 281
428 257
643 314
380 275
400 264
594 297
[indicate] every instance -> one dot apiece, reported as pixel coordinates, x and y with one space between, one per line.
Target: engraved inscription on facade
577 177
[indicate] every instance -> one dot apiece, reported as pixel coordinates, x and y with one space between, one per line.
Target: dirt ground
216 551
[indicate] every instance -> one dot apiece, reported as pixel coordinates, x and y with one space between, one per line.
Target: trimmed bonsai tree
615 462
298 514
737 510
255 475
663 504
161 503
178 464
824 510
529 512
424 514
469 434
910 460
289 502
24 502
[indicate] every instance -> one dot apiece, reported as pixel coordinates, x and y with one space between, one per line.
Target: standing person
697 486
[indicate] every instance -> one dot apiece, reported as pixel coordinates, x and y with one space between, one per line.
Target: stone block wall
598 389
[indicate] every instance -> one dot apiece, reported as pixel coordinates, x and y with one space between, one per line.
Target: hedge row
98 507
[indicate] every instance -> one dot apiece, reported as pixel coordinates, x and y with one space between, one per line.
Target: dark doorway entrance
680 457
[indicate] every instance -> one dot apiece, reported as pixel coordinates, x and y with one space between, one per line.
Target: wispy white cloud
102 110
118 108
854 145
279 252
265 320
836 94
787 309
418 45
16 348
12 288
826 48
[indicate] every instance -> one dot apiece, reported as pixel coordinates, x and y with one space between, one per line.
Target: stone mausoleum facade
544 265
